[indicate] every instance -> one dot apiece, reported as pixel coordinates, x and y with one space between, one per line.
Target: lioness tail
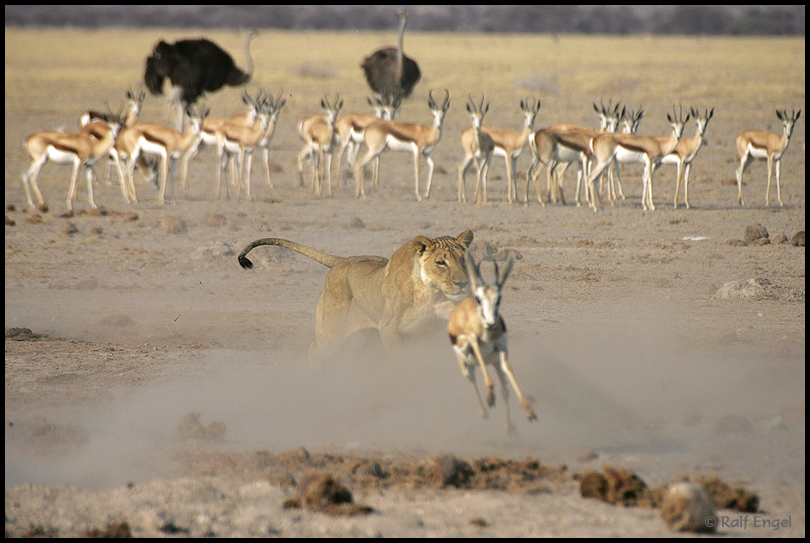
314 254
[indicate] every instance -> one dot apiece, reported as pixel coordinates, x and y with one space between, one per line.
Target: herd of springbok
597 153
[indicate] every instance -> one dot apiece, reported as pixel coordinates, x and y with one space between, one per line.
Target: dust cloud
628 390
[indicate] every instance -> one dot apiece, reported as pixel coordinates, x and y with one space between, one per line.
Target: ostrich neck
401 40
249 58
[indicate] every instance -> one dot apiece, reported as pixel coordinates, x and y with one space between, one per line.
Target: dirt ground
153 387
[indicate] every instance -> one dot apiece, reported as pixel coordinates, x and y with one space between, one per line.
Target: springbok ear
473 272
501 278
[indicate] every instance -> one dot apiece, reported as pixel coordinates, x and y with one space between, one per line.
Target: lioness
412 293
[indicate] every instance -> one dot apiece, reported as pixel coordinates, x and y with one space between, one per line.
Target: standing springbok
351 127
630 122
686 152
264 144
478 335
165 143
563 144
134 105
509 144
208 136
320 139
758 144
236 143
92 123
415 138
80 149
632 148
478 147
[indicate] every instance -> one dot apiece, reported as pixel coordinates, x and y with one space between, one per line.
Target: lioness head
442 263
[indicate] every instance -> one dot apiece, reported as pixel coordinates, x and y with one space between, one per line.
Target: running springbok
415 138
478 147
478 335
758 144
81 149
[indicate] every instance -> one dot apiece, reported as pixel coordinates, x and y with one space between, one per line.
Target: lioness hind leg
335 321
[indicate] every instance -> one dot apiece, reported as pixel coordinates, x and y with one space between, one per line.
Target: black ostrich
193 67
390 73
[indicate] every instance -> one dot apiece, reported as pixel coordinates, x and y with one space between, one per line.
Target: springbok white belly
151 148
761 154
670 159
567 154
626 156
398 145
60 157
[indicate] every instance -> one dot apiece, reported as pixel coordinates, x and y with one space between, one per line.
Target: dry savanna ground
153 387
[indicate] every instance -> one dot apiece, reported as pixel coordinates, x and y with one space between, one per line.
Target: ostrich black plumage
390 73
194 67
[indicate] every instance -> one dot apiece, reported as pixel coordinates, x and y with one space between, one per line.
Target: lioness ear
465 238
421 243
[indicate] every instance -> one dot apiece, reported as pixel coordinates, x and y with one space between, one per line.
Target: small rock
357 222
174 225
129 216
68 228
215 219
88 284
190 428
587 456
451 471
798 239
117 321
755 232
687 507
593 485
744 290
725 497
215 431
217 250
34 218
